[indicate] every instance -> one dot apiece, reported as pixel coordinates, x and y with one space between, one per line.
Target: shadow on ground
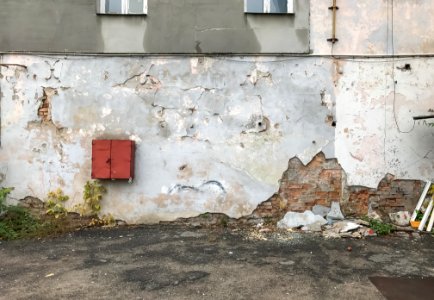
177 262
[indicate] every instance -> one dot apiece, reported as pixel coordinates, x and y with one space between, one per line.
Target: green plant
15 221
4 192
54 203
419 215
379 227
92 196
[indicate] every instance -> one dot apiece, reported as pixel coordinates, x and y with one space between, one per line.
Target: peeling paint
214 134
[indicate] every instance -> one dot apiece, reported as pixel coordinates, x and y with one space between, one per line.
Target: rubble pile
331 223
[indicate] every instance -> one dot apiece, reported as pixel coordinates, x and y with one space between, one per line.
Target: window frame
267 8
101 8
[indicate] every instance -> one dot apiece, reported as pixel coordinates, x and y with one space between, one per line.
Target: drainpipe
333 8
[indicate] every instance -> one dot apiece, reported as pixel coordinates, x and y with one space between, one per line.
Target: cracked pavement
177 262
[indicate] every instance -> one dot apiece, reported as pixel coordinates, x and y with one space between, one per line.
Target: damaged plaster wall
375 132
213 134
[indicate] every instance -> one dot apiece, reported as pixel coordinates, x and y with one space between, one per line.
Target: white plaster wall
212 134
375 131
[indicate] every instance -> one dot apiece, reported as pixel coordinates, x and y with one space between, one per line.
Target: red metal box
113 159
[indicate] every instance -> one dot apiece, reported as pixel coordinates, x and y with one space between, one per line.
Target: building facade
233 110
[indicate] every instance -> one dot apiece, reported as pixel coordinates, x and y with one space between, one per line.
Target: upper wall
373 27
171 26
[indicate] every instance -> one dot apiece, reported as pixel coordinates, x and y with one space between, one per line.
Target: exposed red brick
322 181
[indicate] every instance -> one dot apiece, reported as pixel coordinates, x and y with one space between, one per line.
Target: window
122 7
269 6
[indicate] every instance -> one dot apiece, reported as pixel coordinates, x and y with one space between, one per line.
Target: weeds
379 227
91 206
55 202
15 222
92 196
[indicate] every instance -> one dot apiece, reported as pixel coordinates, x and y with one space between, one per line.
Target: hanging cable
393 74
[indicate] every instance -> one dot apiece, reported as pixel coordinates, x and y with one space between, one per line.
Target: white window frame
125 8
267 7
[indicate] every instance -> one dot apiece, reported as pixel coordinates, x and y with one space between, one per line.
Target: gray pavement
175 262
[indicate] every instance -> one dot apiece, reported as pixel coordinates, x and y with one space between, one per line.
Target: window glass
135 7
255 6
279 6
113 6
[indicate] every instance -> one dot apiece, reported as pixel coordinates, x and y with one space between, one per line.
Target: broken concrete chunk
294 220
335 213
401 218
345 226
321 210
374 215
357 235
314 227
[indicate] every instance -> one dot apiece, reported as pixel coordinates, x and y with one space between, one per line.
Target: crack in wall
142 78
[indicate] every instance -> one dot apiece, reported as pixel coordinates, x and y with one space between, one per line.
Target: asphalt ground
177 262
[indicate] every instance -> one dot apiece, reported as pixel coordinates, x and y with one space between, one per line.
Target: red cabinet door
101 159
122 159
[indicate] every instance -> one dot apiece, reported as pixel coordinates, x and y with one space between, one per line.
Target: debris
343 226
287 263
356 235
346 235
349 248
401 218
367 232
49 275
314 227
321 210
374 215
346 226
294 219
335 213
330 234
361 222
400 228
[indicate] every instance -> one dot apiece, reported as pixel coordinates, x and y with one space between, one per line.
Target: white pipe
431 222
421 199
426 216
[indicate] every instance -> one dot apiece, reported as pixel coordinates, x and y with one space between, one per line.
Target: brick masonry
323 181
44 110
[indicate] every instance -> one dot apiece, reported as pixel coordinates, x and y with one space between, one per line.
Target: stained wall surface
171 26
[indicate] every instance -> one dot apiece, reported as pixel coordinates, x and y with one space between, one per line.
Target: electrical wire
393 74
